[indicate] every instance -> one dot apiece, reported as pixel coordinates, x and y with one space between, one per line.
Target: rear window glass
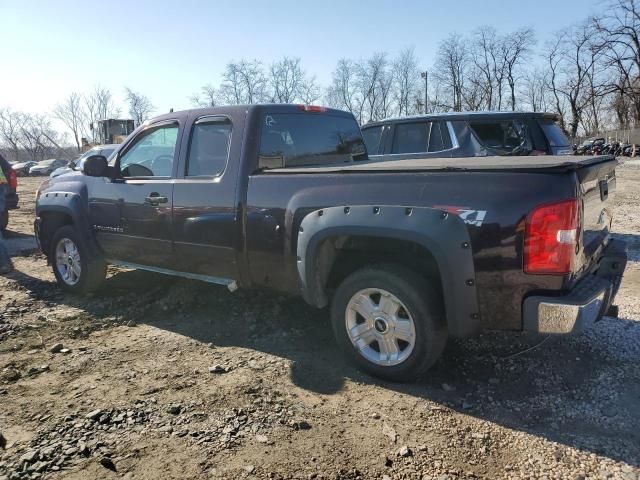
508 137
554 134
372 136
303 139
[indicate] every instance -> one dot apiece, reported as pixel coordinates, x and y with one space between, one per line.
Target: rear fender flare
445 235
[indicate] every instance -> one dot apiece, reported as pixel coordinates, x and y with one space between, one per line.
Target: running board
229 283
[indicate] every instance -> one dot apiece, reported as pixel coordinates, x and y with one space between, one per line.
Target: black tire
4 220
93 271
422 301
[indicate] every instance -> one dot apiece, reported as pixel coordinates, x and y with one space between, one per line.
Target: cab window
152 154
304 139
209 147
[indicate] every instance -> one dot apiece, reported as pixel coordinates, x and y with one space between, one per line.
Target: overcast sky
167 50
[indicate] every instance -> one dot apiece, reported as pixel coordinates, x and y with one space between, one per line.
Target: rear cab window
504 137
309 139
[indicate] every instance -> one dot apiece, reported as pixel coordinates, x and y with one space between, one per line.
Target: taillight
312 108
551 236
12 179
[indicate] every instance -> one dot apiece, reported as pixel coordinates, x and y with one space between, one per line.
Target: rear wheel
73 267
389 321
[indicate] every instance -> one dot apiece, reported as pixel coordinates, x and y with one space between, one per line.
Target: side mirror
95 166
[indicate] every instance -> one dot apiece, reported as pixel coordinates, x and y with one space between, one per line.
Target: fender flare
73 205
445 235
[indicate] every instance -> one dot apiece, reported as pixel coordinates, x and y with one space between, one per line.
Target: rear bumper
585 304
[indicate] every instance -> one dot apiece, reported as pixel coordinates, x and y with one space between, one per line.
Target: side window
209 147
435 138
509 137
411 137
304 139
446 136
371 137
152 154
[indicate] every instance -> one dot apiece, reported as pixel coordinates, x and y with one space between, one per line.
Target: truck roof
486 115
238 109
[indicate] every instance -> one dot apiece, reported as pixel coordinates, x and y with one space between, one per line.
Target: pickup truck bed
406 253
541 163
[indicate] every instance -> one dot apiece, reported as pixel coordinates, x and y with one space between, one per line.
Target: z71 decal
468 215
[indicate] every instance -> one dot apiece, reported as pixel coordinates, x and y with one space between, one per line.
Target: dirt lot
163 378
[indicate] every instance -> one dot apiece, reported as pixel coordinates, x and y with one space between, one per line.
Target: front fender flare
73 205
445 235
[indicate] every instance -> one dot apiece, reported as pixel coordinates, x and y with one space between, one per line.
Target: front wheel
73 267
389 321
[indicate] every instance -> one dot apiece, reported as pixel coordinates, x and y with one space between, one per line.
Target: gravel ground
156 377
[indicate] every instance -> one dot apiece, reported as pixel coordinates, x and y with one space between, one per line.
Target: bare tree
619 40
405 77
451 63
244 82
373 82
71 113
343 92
535 91
487 59
99 105
310 91
140 107
105 103
516 49
572 60
285 79
208 97
11 130
37 137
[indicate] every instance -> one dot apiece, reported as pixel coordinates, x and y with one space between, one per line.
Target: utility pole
425 75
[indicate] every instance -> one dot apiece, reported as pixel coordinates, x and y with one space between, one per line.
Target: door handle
155 199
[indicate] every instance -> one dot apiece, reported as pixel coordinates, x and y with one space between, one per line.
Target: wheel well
49 223
340 256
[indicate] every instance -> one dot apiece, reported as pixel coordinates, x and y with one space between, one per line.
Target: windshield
78 164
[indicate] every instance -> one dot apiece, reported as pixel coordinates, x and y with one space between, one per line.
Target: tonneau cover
537 163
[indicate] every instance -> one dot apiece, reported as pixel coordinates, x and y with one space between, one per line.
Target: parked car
22 168
11 196
45 167
78 163
406 252
466 134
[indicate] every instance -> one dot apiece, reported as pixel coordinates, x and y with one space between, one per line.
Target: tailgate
597 184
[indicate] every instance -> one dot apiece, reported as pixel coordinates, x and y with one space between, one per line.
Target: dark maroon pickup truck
406 253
